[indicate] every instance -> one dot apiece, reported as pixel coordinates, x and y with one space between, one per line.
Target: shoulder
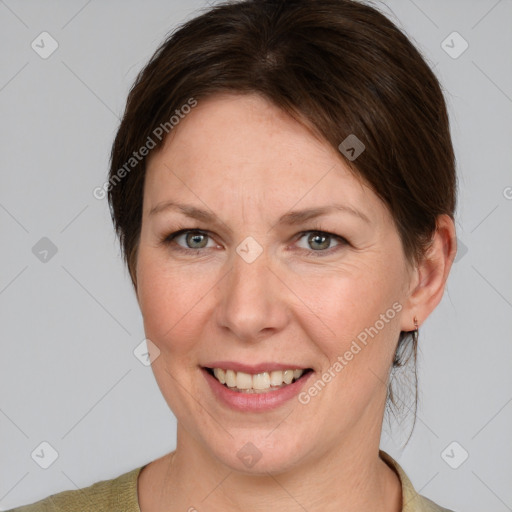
116 495
411 500
422 504
430 506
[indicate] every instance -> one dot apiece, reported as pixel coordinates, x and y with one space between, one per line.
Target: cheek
349 301
170 300
363 326
356 319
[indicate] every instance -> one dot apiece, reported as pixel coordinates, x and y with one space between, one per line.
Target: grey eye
323 241
318 241
196 240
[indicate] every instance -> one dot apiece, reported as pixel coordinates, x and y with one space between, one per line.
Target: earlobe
432 273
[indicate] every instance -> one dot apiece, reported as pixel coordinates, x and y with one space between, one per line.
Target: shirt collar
411 500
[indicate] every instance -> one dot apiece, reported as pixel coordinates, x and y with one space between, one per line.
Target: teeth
220 374
243 380
257 383
261 381
230 378
276 378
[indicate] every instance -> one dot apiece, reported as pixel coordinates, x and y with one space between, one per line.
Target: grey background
68 375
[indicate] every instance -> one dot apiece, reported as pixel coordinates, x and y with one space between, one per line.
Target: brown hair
339 66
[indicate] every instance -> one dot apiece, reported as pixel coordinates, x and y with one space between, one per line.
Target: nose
253 302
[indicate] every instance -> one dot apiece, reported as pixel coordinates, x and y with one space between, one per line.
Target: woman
283 187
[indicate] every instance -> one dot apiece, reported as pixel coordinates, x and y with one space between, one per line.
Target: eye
320 242
188 240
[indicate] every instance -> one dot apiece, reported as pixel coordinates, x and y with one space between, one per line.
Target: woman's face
258 289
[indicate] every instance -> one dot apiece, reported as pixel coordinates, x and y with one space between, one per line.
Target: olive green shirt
120 495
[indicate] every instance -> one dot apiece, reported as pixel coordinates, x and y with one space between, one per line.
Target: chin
259 452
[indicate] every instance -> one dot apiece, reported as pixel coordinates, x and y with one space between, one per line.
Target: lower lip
255 402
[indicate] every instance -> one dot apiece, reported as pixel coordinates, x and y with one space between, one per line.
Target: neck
351 477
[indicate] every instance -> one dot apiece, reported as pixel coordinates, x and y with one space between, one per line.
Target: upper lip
254 368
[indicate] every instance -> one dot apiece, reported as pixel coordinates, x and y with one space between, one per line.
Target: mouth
257 383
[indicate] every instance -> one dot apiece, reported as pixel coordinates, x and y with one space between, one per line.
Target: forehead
229 128
242 146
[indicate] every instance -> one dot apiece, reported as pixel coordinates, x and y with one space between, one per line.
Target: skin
243 159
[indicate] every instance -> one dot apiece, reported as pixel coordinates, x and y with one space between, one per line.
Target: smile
256 391
262 382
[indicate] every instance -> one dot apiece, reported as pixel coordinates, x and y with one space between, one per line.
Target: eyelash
169 239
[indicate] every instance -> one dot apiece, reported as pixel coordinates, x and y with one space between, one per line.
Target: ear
429 277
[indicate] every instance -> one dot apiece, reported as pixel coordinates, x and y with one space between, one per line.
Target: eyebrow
188 210
299 216
290 218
